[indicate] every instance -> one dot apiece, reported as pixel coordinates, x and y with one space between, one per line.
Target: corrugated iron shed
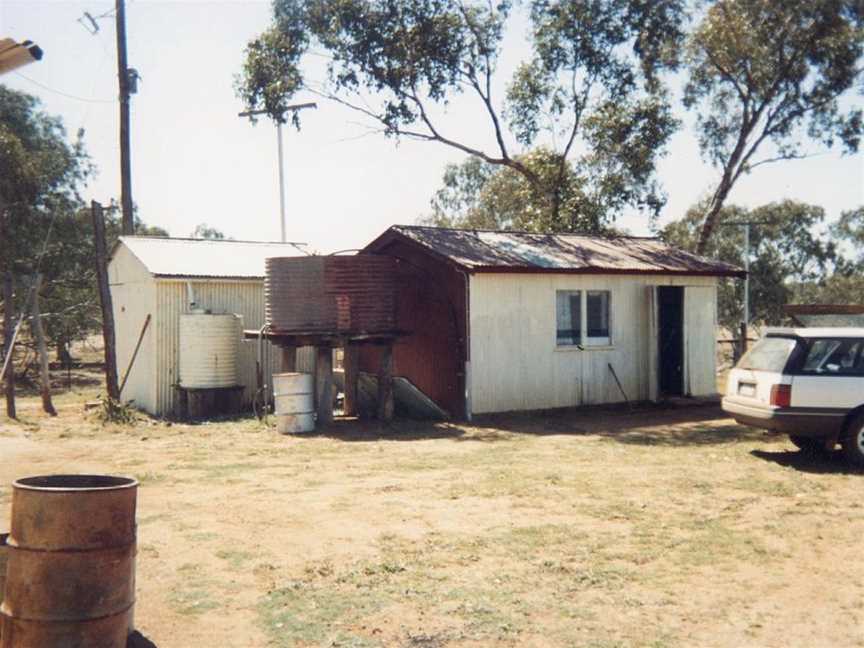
178 257
491 251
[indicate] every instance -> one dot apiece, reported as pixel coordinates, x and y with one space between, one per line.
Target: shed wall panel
700 355
244 298
516 363
133 295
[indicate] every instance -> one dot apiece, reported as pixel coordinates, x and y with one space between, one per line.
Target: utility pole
125 160
745 323
294 108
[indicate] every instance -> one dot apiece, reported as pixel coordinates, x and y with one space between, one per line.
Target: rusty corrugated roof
491 251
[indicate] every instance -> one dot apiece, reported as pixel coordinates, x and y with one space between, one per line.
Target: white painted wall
516 364
133 294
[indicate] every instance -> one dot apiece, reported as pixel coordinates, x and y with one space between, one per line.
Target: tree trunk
710 223
39 334
8 332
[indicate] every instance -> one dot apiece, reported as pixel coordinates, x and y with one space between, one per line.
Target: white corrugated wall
242 297
516 364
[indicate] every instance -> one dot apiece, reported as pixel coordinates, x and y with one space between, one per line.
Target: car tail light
781 395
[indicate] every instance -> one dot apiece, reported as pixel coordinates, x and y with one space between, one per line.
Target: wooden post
128 226
8 342
289 359
324 384
351 362
743 339
105 300
39 334
385 384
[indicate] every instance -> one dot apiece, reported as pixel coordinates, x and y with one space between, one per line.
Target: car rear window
768 354
834 356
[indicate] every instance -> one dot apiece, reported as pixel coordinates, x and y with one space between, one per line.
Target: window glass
840 357
568 308
598 317
768 354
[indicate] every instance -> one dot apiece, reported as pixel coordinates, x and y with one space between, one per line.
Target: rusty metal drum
294 397
70 577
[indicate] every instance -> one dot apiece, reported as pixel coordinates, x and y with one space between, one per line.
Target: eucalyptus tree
766 79
591 91
788 249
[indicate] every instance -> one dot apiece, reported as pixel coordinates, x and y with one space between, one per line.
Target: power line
61 93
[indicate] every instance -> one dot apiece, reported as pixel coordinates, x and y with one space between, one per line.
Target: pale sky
194 160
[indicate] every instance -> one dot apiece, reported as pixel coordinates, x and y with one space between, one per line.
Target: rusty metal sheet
493 251
331 294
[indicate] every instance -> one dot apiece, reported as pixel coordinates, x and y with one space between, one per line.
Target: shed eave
168 277
738 274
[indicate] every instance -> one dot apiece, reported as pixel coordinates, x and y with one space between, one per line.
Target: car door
831 375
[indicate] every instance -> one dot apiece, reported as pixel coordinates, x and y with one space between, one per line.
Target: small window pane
568 310
598 317
838 357
769 354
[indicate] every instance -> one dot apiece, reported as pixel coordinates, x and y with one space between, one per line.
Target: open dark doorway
670 301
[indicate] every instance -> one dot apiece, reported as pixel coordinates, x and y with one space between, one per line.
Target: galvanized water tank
293 394
209 346
70 577
331 294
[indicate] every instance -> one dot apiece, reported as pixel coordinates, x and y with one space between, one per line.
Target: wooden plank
289 358
352 373
105 301
385 385
324 384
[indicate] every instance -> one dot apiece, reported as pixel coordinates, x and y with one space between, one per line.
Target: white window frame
585 342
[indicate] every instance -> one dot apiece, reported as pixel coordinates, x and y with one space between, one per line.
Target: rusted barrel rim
74 483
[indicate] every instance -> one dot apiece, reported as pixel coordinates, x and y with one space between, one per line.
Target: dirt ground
602 528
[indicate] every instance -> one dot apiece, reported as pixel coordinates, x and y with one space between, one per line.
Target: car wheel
809 445
853 441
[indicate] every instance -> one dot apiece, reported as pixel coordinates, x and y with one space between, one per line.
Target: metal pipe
281 180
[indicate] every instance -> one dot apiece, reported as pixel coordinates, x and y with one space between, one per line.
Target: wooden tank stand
324 345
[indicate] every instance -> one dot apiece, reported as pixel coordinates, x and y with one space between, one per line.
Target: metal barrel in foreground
70 576
294 398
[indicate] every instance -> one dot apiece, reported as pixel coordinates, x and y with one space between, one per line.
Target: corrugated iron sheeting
169 257
245 298
488 251
331 294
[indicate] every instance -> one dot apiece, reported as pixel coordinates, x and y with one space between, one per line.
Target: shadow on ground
833 463
137 640
645 424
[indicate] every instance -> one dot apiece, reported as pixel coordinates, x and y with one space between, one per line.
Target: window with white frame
569 317
583 317
597 333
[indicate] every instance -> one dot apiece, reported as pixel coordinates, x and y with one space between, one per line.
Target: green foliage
591 86
112 411
479 195
43 174
769 75
205 231
785 251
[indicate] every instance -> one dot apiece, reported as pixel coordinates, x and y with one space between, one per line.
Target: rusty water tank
70 575
331 294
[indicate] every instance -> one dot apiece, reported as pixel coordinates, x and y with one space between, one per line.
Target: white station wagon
807 383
